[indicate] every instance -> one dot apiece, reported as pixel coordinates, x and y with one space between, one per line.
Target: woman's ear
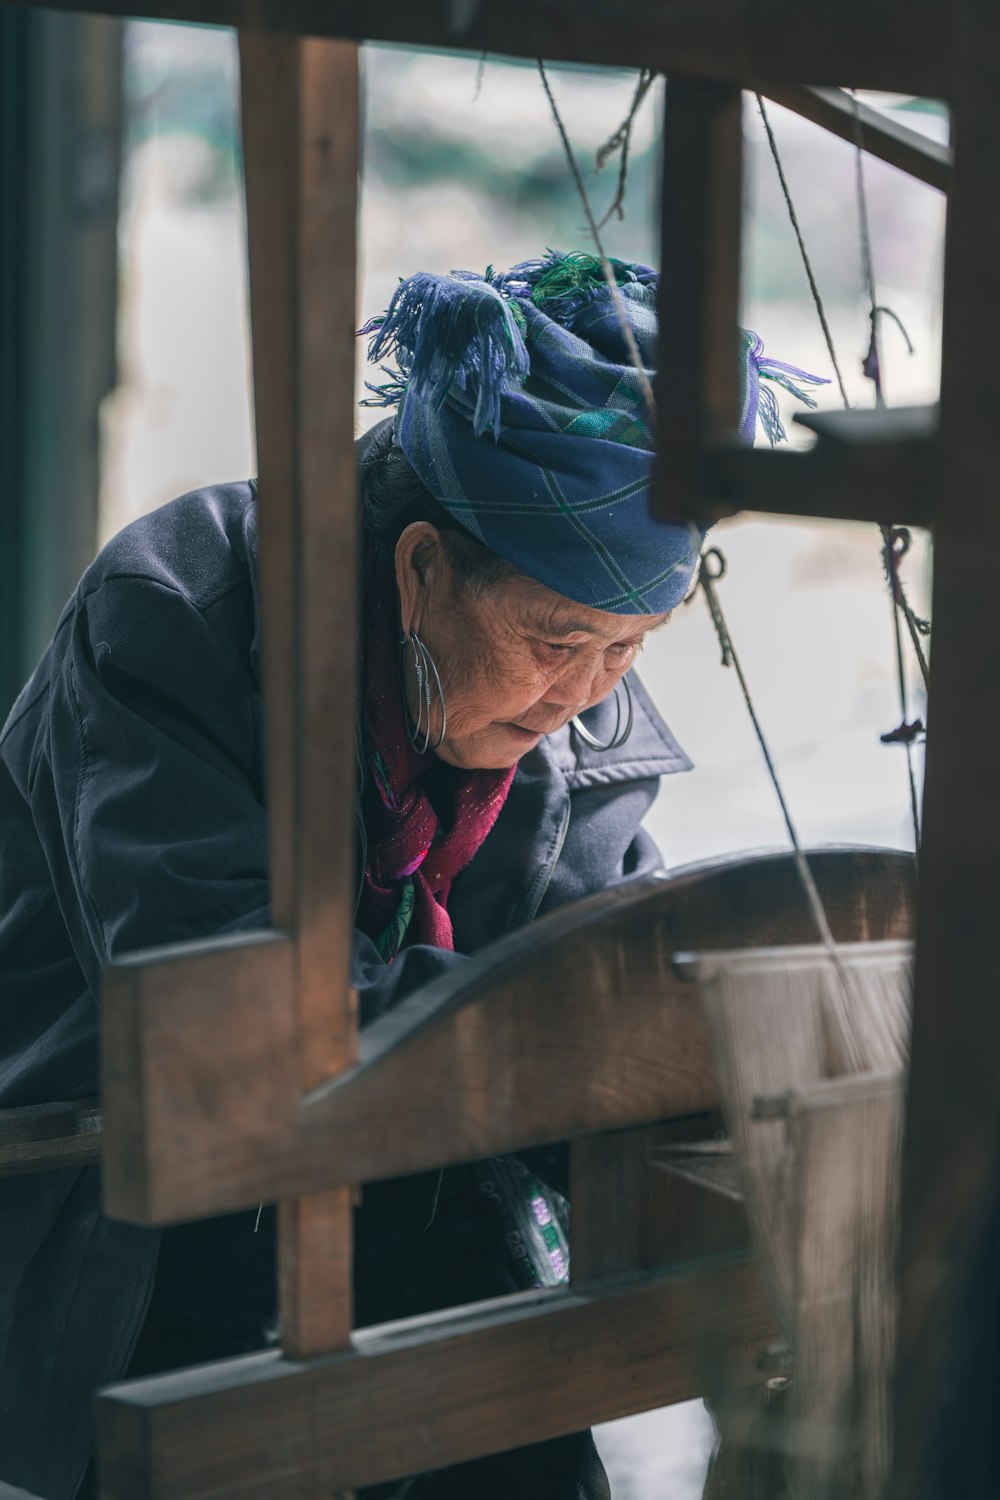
418 559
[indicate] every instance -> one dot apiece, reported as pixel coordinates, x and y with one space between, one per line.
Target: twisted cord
807 263
708 579
617 300
892 573
621 141
900 604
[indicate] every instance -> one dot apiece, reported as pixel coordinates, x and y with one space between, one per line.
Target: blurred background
124 362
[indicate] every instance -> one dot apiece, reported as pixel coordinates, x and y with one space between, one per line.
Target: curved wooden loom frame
573 1025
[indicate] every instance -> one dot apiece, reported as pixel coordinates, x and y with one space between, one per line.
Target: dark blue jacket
132 814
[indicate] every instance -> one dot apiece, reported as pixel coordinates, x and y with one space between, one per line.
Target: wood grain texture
871 479
315 1242
875 44
42 1137
697 384
459 1384
200 1077
301 146
947 1384
573 1025
578 1024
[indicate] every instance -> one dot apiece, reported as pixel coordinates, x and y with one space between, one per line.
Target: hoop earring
425 671
620 735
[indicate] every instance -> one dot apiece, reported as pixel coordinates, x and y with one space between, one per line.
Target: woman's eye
557 646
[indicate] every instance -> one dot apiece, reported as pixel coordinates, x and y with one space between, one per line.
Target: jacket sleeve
155 760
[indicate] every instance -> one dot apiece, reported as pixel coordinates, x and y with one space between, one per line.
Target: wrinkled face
517 660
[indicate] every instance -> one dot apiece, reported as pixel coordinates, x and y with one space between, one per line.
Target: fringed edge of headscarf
778 373
450 331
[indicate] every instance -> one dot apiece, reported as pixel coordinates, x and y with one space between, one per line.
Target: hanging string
907 733
617 301
621 141
807 263
899 602
872 363
713 568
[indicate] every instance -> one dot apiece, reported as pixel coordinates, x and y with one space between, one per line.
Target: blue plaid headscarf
520 409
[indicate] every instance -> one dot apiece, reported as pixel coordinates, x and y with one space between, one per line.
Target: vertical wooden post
301 136
945 1440
697 385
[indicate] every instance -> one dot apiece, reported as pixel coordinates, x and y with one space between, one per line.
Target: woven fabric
520 409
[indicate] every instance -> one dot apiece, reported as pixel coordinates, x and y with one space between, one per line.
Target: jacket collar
650 750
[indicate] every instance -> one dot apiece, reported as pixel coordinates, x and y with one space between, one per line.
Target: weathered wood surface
697 385
882 135
41 1137
200 1074
300 123
947 1386
866 466
877 44
448 1388
573 1025
301 169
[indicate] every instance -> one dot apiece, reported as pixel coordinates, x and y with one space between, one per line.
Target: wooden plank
697 387
880 482
875 44
301 146
946 1439
200 1077
41 1137
494 1057
882 135
449 1388
314 1273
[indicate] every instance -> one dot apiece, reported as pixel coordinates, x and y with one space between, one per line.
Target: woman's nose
574 687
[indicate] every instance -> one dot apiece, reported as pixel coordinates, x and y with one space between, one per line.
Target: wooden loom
186 1136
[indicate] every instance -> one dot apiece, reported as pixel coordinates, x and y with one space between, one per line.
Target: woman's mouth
519 731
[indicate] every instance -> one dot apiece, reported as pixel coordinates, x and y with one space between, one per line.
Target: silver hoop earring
621 734
425 672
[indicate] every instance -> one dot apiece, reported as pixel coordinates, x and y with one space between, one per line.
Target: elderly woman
511 575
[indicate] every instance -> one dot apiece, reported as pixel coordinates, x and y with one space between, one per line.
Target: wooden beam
300 121
570 1026
866 466
40 1137
200 1077
697 389
950 1272
897 45
881 135
450 1387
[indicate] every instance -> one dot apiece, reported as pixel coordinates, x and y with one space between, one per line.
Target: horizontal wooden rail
881 135
897 45
861 465
573 1025
451 1387
42 1137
